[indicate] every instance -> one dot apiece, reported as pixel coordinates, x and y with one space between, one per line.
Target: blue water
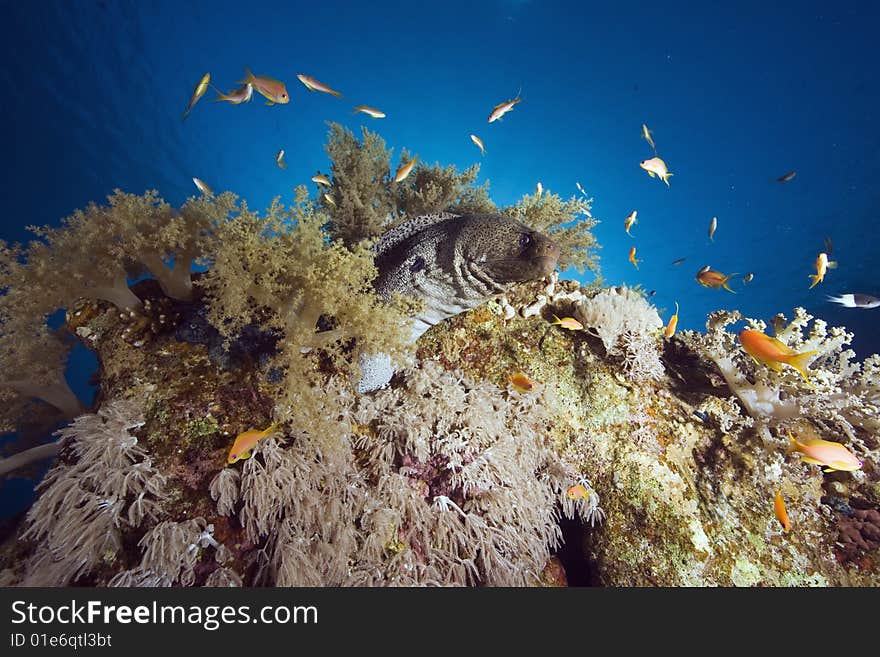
737 94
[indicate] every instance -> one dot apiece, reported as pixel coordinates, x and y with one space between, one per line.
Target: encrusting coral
450 476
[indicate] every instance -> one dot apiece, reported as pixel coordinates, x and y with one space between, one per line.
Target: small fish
274 91
710 278
279 159
203 187
632 257
703 416
781 514
580 189
713 226
829 245
656 167
822 266
479 143
629 221
539 189
748 278
329 199
578 492
569 323
652 293
676 263
647 136
236 96
831 455
673 322
372 111
520 382
321 179
773 353
855 300
778 323
246 441
197 93
500 110
313 85
788 176
404 170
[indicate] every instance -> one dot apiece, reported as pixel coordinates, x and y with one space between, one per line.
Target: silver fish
855 300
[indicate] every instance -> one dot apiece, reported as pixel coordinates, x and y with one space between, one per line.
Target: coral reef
634 460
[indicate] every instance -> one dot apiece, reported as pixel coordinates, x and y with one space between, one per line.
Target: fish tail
248 76
800 362
816 279
725 285
336 93
666 179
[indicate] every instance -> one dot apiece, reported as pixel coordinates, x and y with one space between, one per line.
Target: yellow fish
203 187
372 111
822 265
329 199
404 170
630 221
246 441
673 322
198 92
569 323
833 456
714 279
321 179
500 110
656 167
578 492
313 85
632 257
647 136
479 143
520 382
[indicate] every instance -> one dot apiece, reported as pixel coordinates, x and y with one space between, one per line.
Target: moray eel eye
524 240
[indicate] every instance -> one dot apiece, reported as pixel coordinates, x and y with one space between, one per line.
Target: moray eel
452 263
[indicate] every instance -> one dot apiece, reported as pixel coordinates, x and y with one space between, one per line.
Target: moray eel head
508 251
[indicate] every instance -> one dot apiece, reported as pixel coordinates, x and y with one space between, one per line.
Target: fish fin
248 76
799 362
832 264
246 455
816 278
270 103
811 460
336 93
650 173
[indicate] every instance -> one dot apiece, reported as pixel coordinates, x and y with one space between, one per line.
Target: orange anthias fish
714 279
833 456
313 85
237 96
321 179
822 266
673 322
245 442
274 91
632 257
202 186
198 92
773 353
656 167
647 135
569 323
578 492
781 513
404 170
500 110
520 382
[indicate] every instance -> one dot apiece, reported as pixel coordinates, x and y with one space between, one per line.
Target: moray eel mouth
537 261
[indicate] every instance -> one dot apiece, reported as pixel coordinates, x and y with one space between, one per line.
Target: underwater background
736 96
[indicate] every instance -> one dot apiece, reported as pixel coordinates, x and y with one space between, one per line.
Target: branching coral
446 481
107 483
629 329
